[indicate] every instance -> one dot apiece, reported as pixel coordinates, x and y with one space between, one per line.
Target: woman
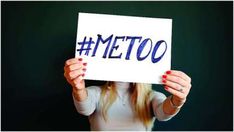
126 106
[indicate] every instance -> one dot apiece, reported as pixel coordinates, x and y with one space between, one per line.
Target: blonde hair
140 96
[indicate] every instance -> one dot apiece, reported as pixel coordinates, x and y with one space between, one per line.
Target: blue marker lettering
141 47
115 47
154 60
131 45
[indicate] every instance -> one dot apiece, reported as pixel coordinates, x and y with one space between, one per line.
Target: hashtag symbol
85 46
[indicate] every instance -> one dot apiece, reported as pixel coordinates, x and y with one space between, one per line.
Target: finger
171 84
68 80
175 92
72 61
78 81
73 74
176 79
73 67
179 74
177 87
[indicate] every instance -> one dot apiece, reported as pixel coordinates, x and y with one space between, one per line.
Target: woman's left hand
178 84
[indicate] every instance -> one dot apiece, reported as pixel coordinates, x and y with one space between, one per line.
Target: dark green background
37 38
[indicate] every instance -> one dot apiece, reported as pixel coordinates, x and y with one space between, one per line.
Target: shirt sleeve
88 106
157 104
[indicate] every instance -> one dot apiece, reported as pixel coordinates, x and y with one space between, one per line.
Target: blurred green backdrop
37 38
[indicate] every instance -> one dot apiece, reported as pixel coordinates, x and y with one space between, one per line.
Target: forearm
80 95
85 100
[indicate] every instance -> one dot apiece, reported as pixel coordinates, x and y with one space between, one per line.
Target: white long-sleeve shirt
120 114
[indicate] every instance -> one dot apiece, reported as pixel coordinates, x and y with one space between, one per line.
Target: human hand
178 84
74 71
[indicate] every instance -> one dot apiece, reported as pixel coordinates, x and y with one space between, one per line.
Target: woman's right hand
74 71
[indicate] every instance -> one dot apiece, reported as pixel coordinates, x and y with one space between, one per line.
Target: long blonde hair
140 95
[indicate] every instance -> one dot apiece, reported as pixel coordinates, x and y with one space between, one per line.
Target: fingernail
83 75
84 69
80 59
164 81
168 72
164 76
85 64
166 87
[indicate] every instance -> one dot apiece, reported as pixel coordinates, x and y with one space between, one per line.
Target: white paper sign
124 48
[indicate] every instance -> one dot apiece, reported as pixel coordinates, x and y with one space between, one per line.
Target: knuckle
183 97
71 74
70 67
67 62
190 85
189 79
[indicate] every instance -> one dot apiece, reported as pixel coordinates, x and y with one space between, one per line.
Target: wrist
80 95
79 92
176 103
